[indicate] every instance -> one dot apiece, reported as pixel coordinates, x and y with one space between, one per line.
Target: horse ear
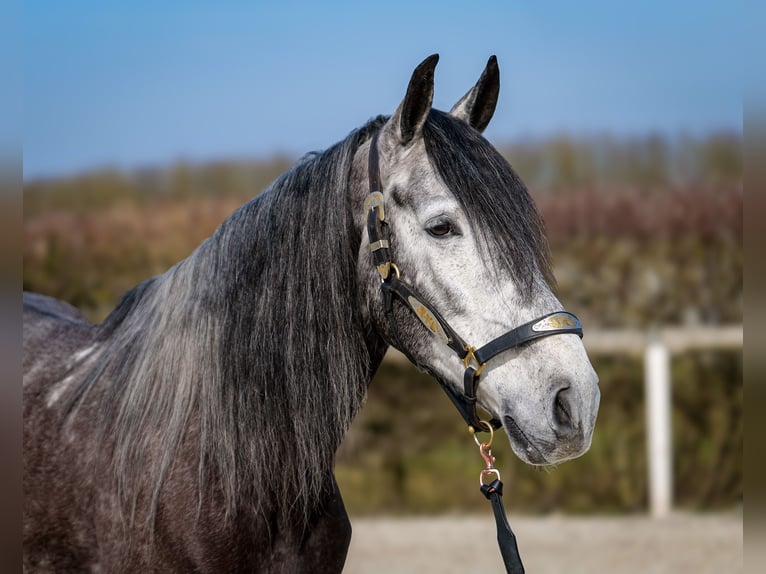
478 105
412 112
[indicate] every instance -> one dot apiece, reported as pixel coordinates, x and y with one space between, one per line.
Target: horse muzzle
563 430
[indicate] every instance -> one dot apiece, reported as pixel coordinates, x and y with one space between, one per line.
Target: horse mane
255 344
494 199
253 341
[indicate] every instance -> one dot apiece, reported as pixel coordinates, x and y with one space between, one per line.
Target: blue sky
146 83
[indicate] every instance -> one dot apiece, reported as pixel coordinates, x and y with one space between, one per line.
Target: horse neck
259 340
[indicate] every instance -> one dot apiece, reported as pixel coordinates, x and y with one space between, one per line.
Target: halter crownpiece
393 287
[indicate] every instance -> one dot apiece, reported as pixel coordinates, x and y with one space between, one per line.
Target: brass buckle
470 356
375 199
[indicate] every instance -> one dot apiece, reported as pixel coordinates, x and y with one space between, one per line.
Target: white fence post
658 424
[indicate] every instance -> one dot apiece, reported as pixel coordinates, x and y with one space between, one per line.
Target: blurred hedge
643 232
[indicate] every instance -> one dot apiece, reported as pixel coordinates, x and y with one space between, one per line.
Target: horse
195 428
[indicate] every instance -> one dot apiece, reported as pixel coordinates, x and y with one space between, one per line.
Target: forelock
494 199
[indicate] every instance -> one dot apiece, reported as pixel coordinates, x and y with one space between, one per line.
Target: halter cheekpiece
474 360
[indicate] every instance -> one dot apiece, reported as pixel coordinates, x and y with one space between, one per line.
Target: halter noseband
473 359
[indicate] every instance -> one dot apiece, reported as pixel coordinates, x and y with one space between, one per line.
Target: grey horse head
465 232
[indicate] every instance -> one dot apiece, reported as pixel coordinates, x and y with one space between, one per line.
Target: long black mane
253 341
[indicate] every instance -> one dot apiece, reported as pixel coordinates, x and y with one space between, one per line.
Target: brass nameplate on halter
375 199
428 319
558 321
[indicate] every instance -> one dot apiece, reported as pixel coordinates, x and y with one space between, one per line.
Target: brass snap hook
486 453
486 472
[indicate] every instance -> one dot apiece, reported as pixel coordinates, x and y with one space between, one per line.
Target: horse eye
441 229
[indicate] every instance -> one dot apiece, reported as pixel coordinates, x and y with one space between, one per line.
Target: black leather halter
473 359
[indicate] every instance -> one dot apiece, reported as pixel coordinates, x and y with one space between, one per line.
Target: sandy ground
682 543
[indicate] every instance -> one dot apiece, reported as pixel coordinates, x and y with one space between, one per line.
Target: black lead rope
493 491
505 537
474 360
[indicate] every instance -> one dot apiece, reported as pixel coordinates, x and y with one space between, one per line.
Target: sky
147 83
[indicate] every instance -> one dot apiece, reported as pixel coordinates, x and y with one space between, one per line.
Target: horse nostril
562 413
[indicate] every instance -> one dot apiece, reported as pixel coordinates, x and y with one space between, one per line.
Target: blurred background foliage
645 232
